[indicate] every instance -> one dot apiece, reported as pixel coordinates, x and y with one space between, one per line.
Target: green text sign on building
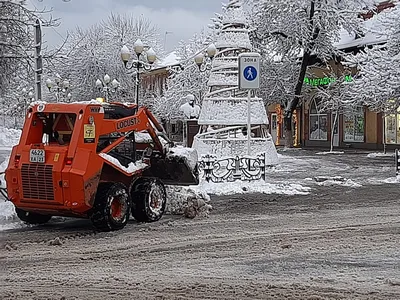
324 80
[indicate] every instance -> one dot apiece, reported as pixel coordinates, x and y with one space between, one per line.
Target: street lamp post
139 49
203 60
60 88
106 86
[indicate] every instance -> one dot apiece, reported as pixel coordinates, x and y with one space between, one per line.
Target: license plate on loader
37 156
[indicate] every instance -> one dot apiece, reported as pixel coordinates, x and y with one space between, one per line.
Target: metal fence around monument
230 169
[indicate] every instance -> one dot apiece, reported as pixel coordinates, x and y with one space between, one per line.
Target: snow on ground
336 180
355 169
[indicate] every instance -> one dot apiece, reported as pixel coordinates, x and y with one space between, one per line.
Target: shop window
274 122
392 128
353 122
318 123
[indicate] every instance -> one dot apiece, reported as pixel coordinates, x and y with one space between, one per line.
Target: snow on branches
306 30
16 49
187 81
307 25
378 82
91 53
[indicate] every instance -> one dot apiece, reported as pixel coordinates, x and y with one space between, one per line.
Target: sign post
249 79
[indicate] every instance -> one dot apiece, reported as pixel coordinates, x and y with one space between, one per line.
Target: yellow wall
371 125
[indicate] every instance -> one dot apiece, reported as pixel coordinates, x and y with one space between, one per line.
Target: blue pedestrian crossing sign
249 74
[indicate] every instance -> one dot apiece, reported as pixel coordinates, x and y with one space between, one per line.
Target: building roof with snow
172 59
374 28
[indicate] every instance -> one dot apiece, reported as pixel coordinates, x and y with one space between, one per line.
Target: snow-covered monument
223 117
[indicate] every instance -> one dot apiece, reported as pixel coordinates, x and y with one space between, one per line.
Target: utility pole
38 60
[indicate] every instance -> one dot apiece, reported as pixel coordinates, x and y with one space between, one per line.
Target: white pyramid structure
223 117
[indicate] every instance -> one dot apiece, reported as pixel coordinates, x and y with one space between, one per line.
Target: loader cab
58 128
126 151
51 128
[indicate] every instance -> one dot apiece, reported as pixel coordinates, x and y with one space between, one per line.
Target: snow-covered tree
17 62
277 78
91 53
306 29
188 80
378 82
17 42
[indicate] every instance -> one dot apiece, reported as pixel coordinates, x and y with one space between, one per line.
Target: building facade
345 127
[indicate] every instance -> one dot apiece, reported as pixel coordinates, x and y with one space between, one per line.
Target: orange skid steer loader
98 161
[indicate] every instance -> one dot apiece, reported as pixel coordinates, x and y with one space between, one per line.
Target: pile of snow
7 212
289 149
3 166
8 217
330 152
187 201
9 137
392 180
335 180
380 154
258 186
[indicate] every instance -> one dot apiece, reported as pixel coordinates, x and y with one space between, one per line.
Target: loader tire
149 200
111 207
31 218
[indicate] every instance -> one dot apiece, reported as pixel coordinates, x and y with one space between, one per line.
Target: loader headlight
40 107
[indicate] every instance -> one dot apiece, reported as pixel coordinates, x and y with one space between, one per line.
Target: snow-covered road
332 244
340 241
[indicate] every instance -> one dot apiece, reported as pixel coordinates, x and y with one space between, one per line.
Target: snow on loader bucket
179 167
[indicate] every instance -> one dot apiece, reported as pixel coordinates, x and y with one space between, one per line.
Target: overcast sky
181 17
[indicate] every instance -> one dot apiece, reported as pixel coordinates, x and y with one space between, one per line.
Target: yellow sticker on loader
89 134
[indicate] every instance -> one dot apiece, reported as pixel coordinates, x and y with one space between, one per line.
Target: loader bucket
176 168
